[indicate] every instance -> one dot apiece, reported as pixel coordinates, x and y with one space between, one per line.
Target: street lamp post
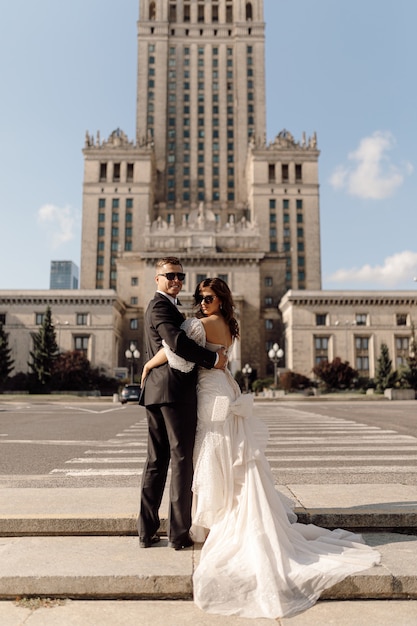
275 354
246 371
132 353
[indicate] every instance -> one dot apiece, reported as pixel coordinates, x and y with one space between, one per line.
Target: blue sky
342 68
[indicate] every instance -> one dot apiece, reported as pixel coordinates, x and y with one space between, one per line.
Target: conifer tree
6 362
45 352
383 369
411 372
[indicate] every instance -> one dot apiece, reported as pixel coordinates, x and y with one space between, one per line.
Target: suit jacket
165 384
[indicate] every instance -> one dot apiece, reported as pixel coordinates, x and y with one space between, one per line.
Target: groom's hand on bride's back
222 360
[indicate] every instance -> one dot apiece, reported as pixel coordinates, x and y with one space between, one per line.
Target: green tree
410 373
383 374
337 374
45 352
6 362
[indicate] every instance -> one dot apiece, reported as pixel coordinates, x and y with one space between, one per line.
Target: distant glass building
64 275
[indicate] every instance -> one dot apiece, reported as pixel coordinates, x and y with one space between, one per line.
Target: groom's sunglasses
172 275
206 299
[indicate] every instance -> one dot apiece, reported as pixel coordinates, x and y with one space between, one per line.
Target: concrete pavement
81 544
110 511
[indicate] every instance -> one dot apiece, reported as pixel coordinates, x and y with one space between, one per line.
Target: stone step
105 511
115 567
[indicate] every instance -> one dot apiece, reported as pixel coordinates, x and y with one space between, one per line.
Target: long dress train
257 560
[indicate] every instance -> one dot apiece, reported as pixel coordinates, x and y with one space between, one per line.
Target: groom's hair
168 260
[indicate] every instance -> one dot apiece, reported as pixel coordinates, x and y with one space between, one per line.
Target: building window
134 300
200 14
102 203
401 319
134 281
129 172
81 343
362 355
39 317
321 319
268 281
269 301
3 319
284 172
103 171
172 12
299 204
402 350
269 324
82 319
298 173
321 349
116 172
361 319
271 172
285 204
134 324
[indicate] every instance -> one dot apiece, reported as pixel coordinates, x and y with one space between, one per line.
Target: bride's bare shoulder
216 329
212 321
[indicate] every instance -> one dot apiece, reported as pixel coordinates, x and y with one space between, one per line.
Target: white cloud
62 221
371 174
398 269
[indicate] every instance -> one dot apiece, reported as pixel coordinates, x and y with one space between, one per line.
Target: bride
257 560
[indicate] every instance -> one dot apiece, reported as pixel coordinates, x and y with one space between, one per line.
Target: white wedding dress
257 560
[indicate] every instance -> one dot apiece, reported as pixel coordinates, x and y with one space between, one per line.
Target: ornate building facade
351 325
200 180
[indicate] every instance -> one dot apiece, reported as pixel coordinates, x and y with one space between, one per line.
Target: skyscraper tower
201 98
200 180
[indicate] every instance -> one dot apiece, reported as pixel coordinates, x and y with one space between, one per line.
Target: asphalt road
101 443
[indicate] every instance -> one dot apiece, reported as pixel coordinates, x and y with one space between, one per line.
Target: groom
170 399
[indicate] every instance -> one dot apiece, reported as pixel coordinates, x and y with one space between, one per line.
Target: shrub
335 375
292 381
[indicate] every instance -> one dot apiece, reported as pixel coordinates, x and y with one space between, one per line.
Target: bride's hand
222 361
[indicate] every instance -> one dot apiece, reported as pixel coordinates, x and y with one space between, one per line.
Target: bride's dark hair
222 291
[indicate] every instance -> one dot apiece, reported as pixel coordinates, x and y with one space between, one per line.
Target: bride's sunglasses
206 299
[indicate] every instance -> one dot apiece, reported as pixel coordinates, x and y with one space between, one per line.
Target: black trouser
171 437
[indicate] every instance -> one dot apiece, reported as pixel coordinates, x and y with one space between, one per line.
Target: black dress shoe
147 542
181 545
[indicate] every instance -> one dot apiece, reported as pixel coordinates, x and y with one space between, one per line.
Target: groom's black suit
171 404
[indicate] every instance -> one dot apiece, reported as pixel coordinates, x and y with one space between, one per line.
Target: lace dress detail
195 330
257 560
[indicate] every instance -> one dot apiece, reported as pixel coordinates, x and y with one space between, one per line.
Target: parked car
130 393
